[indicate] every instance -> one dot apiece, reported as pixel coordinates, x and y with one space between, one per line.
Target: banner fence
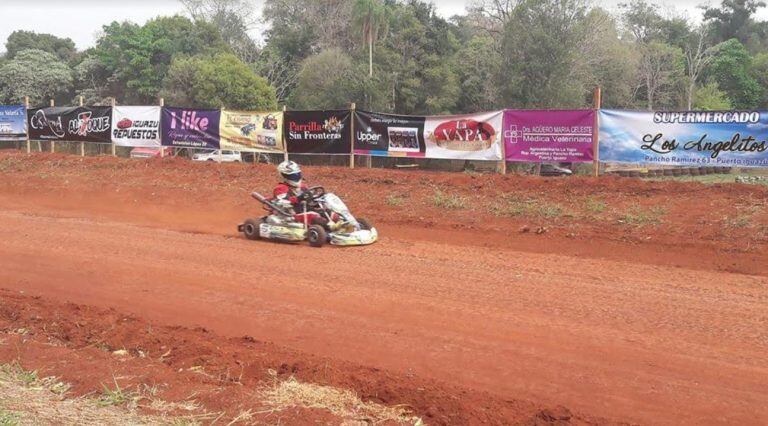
642 138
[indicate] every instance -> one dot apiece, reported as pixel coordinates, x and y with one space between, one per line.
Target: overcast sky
81 20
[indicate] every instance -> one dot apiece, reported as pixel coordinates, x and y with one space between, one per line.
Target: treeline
399 56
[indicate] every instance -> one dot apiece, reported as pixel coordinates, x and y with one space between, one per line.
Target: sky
81 20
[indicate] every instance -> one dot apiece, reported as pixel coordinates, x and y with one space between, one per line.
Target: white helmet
290 172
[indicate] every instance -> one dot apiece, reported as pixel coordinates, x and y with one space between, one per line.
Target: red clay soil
620 299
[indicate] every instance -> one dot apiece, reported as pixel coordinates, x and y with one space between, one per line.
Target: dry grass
340 402
448 201
26 399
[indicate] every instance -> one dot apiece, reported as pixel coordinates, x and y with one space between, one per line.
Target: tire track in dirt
615 339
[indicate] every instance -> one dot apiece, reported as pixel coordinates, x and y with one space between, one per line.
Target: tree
661 69
540 61
233 18
326 81
62 48
759 71
34 73
698 56
730 69
220 81
370 16
734 19
138 58
710 98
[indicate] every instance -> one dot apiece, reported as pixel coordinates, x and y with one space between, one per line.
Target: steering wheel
317 191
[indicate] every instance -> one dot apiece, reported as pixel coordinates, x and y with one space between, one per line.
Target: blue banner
13 122
710 138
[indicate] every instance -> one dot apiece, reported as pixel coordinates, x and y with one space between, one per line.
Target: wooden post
82 144
113 102
282 135
597 101
26 106
503 164
162 148
352 135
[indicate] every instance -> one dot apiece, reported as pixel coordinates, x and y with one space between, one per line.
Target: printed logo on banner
320 132
136 126
39 121
387 134
724 138
190 128
549 136
256 131
466 137
13 119
84 124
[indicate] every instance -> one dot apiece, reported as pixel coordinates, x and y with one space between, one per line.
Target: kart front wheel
251 229
316 236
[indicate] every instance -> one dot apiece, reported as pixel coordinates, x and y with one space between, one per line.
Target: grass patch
341 402
9 418
594 205
25 398
394 200
448 201
639 216
744 217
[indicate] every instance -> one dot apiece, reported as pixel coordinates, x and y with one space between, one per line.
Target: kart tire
316 236
364 225
251 229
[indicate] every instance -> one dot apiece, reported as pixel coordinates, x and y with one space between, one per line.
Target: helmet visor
293 177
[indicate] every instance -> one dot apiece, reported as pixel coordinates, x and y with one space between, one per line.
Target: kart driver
287 192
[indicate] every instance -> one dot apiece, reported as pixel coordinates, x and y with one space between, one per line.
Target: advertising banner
464 137
725 138
549 136
318 132
252 131
389 135
79 124
13 122
136 126
190 128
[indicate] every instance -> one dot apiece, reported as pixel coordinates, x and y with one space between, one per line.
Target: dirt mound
78 345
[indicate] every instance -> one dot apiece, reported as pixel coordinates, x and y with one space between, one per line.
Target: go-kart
324 219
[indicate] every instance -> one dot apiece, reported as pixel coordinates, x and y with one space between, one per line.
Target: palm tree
371 17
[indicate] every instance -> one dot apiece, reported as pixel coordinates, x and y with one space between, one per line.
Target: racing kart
324 219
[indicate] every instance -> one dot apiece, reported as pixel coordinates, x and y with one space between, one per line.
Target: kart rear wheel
251 229
364 225
316 236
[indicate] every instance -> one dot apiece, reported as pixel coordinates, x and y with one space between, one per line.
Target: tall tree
661 69
233 18
370 17
735 19
698 56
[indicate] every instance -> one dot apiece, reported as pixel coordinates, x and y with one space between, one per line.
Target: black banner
317 132
79 124
387 134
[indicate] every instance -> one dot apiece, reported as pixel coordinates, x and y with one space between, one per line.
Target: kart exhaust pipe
269 204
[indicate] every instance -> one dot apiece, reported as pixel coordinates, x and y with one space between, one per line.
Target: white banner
136 125
464 137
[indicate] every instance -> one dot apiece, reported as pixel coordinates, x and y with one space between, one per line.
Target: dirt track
597 330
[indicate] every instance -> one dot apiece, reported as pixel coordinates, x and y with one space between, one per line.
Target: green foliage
710 98
62 48
730 69
540 60
217 81
759 72
734 19
325 81
34 73
138 57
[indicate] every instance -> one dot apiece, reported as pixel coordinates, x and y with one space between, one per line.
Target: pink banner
549 136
